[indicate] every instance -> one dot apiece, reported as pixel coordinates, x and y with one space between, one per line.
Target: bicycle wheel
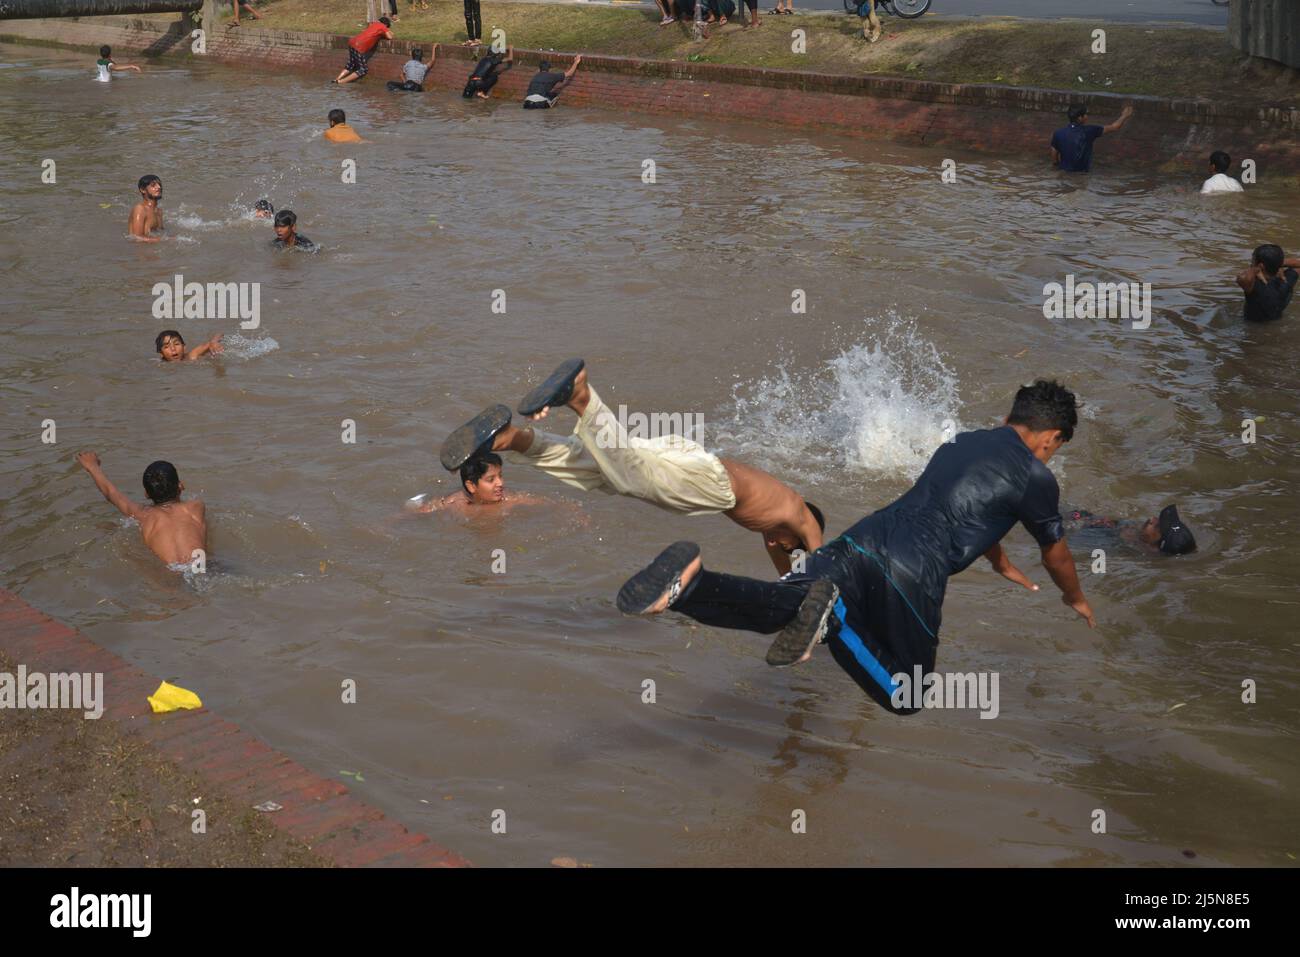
911 9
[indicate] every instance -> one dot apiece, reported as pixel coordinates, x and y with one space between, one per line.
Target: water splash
243 347
881 406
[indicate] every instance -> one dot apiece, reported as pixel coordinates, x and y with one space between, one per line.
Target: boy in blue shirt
1072 145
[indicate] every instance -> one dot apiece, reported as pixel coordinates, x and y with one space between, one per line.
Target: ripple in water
880 406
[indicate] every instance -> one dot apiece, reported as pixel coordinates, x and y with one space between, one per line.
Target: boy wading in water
146 218
669 471
876 592
172 529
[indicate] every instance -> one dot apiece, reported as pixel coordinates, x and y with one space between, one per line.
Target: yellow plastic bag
173 698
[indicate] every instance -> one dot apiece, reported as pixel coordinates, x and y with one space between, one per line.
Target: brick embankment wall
317 811
994 119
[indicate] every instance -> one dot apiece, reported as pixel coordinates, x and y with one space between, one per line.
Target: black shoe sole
807 628
658 578
555 391
470 439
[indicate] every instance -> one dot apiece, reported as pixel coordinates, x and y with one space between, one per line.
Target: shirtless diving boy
173 530
670 471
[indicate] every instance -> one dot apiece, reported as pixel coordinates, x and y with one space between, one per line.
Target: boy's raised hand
88 460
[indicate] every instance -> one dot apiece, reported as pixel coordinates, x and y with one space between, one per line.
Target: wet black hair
1269 256
385 21
817 514
161 483
544 65
1076 112
106 51
475 468
264 204
286 217
147 181
1044 406
166 333
1220 161
417 53
337 116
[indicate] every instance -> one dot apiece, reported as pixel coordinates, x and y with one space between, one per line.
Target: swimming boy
545 87
877 591
1267 285
413 72
486 73
1164 534
263 209
339 131
173 530
1220 181
105 66
171 347
362 47
481 485
669 471
146 218
286 233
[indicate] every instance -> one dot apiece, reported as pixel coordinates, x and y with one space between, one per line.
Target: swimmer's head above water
162 483
286 223
170 345
263 209
1168 533
150 187
336 117
482 480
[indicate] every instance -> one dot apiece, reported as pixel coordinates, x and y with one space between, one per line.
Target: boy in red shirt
361 47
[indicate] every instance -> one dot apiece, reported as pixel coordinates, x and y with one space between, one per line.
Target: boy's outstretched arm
1060 565
213 345
90 462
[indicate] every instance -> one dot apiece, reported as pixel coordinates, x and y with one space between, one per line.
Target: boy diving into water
876 592
671 472
172 529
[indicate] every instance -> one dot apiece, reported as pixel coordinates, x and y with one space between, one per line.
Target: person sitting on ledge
546 86
414 72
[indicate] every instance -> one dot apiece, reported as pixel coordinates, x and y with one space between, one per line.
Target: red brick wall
1163 133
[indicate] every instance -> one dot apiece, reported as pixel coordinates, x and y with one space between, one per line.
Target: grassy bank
78 793
1186 62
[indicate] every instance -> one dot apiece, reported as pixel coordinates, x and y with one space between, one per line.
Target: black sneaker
663 576
796 640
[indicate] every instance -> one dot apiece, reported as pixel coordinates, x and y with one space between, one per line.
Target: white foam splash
881 406
242 347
